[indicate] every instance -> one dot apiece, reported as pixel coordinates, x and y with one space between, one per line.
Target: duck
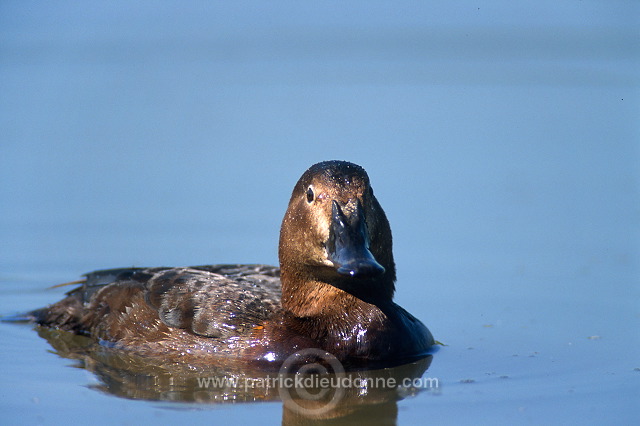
332 291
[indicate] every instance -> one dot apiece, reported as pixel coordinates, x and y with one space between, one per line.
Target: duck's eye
310 195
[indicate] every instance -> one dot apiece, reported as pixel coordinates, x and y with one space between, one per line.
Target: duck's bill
348 245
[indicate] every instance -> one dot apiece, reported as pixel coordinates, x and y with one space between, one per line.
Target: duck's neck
306 296
336 320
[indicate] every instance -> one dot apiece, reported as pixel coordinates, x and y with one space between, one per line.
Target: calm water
503 143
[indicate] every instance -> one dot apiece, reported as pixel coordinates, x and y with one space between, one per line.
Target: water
503 143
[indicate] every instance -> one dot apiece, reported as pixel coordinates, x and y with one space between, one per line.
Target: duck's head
335 232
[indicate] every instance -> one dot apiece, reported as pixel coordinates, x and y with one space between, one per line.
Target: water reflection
319 397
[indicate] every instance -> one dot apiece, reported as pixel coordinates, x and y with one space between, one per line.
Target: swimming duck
333 291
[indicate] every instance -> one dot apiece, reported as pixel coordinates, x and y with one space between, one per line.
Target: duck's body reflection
366 394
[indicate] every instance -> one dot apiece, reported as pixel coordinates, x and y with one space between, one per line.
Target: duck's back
202 309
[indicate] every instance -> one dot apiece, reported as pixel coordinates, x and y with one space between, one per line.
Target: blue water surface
503 141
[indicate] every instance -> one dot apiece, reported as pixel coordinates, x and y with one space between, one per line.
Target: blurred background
502 140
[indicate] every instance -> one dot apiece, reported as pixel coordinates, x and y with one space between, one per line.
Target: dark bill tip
362 269
348 244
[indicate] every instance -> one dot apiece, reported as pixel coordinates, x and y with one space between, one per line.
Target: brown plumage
333 291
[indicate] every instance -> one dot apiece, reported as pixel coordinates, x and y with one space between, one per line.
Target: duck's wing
216 301
212 301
